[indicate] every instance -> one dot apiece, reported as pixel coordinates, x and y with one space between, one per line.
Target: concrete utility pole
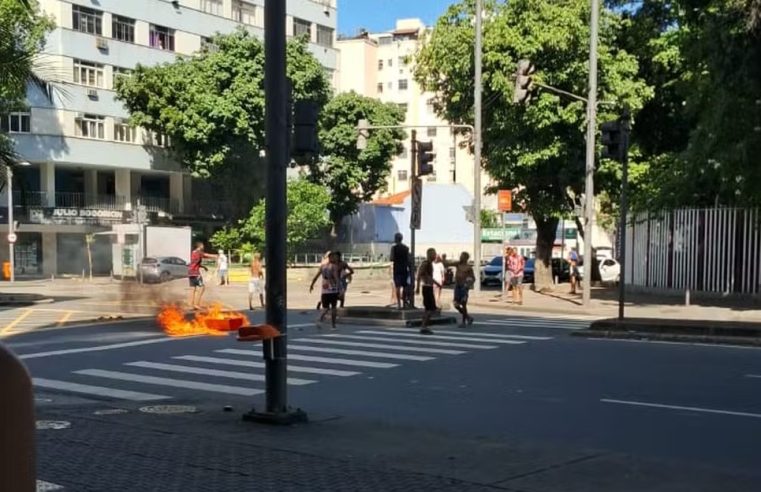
589 187
11 232
477 148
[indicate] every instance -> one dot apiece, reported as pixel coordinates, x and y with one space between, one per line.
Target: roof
396 199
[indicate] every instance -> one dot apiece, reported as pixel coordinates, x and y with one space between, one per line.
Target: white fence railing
703 250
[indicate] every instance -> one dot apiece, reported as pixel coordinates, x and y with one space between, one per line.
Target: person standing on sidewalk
331 285
464 278
505 258
194 274
222 268
515 265
425 277
573 262
400 259
439 270
256 281
345 273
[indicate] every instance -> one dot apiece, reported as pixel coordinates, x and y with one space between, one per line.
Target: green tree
307 217
354 176
489 219
537 148
227 238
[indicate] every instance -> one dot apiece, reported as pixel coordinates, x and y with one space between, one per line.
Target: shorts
516 280
429 300
461 294
222 274
255 286
401 280
196 281
330 300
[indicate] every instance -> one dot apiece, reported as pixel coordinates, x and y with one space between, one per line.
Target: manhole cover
52 424
169 409
110 411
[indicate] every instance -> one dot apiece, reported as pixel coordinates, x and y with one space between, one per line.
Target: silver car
162 268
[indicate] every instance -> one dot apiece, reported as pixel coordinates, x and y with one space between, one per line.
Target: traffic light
523 82
425 155
305 138
612 140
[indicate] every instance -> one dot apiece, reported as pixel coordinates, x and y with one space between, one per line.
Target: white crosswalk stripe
382 346
384 355
396 333
469 333
43 486
325 360
416 342
87 389
518 322
177 383
212 372
261 365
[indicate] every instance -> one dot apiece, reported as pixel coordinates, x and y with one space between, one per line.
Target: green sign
496 235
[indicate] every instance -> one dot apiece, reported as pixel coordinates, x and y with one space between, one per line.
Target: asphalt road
511 378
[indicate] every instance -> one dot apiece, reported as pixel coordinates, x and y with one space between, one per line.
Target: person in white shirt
439 271
222 268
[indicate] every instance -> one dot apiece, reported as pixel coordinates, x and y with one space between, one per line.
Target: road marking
16 321
477 333
177 383
212 372
65 318
326 360
415 342
260 365
753 376
384 355
666 342
301 325
43 486
95 390
678 407
98 348
442 337
383 346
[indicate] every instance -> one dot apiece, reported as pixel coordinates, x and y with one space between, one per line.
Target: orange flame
209 322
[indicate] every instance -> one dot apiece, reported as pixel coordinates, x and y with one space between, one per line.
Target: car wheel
165 277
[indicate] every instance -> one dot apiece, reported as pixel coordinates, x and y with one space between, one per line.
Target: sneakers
426 331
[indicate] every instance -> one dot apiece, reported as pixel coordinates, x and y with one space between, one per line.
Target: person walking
331 282
325 260
425 277
195 279
256 281
222 268
464 278
505 258
573 262
515 265
400 259
345 273
439 271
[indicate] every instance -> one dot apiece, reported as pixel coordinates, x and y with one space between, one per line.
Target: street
507 379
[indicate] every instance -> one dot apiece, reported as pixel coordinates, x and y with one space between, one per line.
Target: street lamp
11 226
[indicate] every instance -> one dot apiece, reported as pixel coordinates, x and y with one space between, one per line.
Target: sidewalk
212 450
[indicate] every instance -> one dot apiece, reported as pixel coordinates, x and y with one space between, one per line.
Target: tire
165 277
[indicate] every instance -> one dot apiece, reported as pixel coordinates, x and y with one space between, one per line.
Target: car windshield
496 261
150 260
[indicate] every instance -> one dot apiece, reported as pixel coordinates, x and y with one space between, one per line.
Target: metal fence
705 250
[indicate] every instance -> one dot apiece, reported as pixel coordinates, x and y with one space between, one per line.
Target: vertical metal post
625 121
11 252
413 175
477 145
502 252
589 187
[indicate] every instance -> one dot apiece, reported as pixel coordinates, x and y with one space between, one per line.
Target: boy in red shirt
194 274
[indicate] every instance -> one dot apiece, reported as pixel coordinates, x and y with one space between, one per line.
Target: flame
172 320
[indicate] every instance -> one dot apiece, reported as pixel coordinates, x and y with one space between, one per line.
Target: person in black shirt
400 259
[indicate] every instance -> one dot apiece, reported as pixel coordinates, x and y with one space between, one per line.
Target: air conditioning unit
101 43
79 116
92 93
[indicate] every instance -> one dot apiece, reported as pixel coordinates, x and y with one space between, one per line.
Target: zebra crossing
312 358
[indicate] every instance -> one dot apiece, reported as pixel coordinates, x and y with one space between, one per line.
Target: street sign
469 213
417 204
505 200
12 237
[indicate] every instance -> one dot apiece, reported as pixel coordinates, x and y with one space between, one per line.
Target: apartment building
87 168
381 65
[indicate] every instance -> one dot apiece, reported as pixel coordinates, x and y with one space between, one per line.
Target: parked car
491 274
162 268
610 270
528 271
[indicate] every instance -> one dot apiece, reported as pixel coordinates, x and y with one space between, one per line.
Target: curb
669 337
531 309
685 327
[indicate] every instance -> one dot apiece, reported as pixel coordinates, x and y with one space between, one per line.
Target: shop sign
75 216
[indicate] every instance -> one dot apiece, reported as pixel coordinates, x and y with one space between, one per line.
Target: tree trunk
546 230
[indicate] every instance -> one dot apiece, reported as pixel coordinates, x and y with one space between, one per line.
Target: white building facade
88 168
381 65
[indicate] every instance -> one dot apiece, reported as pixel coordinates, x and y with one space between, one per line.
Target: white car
610 270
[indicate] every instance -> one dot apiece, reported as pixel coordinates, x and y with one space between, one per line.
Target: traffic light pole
477 139
625 128
413 175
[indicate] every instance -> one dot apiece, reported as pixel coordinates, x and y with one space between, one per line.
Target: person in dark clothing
400 259
463 281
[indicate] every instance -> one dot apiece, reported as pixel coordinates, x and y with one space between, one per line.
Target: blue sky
380 15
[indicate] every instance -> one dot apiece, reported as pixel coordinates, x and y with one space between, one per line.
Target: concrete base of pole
289 417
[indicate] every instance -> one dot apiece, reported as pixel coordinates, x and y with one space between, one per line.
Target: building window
432 177
244 13
402 61
324 36
401 175
431 131
162 38
385 40
403 107
87 20
380 88
302 27
429 107
403 154
380 64
90 126
212 6
403 84
123 29
120 72
390 62
16 122
452 154
124 133
86 73
159 140
390 85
